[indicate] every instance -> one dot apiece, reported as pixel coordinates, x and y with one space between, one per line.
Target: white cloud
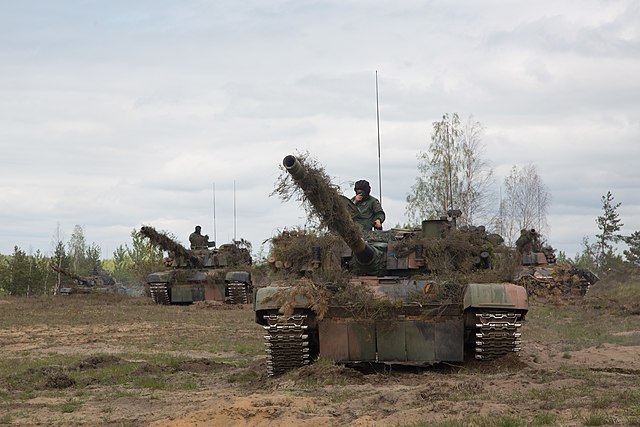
118 114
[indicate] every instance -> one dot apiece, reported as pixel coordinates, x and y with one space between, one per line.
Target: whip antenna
378 123
215 238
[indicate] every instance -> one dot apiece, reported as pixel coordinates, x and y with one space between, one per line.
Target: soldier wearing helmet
197 240
370 214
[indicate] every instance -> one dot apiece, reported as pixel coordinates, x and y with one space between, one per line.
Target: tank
542 275
207 273
395 296
98 283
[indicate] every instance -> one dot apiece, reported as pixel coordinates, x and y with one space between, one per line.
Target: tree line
38 274
603 254
452 175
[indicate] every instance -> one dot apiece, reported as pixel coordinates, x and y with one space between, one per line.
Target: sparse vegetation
110 360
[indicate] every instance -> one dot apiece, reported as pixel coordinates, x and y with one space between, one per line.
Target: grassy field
112 360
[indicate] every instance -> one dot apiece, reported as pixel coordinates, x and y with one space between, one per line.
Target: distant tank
98 283
381 296
542 275
206 273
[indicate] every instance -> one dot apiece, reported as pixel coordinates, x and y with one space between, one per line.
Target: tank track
497 334
286 343
159 293
237 293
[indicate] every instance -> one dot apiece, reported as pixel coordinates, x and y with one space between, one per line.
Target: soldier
370 214
197 240
529 241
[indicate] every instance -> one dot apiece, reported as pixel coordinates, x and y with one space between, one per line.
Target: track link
286 343
497 334
159 293
237 293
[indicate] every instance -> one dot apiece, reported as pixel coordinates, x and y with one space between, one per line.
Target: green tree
43 274
61 261
85 259
137 262
609 225
17 277
77 250
452 173
122 263
5 273
37 275
632 254
92 257
589 257
562 257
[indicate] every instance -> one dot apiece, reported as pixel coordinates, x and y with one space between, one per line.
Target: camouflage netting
298 252
317 294
450 264
320 198
556 280
166 243
237 253
360 301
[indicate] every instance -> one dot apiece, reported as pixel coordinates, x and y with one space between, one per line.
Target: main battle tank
98 283
543 276
378 296
208 273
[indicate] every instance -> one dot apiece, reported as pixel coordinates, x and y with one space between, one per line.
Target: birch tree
524 204
452 173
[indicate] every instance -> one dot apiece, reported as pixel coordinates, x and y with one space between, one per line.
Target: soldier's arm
378 211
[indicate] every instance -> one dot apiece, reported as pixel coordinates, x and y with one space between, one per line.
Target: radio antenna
378 123
215 238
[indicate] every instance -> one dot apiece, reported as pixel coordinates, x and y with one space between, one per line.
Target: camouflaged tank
542 275
380 296
204 274
97 283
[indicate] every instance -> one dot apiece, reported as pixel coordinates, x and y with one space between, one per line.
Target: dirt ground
59 378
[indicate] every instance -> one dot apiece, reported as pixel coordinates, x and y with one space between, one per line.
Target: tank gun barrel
164 242
331 207
67 273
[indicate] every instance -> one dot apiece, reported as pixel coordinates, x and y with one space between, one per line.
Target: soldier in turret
197 240
370 214
529 241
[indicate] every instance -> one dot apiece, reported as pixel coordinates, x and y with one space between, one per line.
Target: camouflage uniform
369 209
197 240
529 241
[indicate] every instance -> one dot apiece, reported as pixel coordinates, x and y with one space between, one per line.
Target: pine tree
609 225
633 253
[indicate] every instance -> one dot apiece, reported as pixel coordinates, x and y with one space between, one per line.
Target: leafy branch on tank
360 302
166 243
317 295
308 183
299 252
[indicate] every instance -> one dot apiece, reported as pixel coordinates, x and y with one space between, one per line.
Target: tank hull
187 287
486 325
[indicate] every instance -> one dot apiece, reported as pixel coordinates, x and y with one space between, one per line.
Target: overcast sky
117 114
